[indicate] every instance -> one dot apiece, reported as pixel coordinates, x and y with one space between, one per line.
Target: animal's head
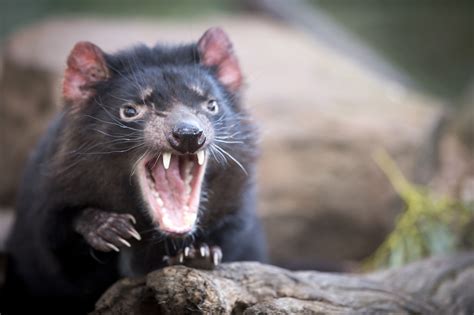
170 113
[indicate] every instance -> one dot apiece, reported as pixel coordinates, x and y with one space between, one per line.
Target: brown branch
434 286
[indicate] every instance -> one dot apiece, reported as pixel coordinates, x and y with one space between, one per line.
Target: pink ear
85 66
215 50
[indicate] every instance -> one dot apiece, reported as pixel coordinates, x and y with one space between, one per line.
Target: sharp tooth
166 160
200 156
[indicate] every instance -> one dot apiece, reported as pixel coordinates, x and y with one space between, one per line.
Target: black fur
77 165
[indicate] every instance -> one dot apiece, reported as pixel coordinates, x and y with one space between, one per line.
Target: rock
27 103
435 286
321 116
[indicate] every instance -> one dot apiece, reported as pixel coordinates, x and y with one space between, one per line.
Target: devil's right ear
215 50
86 66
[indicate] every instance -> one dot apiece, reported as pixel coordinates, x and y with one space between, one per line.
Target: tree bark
443 285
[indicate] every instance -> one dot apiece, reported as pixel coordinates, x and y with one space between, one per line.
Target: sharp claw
166 259
132 218
112 246
216 258
186 251
202 251
135 234
124 242
180 258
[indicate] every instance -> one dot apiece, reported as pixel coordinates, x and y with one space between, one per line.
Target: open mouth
171 185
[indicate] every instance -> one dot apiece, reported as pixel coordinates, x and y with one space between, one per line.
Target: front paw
106 231
200 257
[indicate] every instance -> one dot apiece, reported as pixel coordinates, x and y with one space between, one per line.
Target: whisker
112 116
111 123
109 152
231 157
121 74
134 167
119 98
226 141
156 160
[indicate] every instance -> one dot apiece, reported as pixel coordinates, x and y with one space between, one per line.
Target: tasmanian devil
150 162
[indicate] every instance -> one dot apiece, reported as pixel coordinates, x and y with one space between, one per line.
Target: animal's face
174 113
169 118
175 108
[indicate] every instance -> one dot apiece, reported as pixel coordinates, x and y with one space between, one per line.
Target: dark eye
212 106
128 111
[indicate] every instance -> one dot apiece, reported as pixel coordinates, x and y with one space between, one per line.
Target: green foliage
430 224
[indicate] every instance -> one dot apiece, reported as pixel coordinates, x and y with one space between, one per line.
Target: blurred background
348 94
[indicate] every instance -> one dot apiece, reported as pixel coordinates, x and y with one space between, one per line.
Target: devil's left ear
215 50
86 66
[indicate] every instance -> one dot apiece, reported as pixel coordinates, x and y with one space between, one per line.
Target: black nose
187 137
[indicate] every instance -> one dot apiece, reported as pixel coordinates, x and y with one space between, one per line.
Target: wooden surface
434 286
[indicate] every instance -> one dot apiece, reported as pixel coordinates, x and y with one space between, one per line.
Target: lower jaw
183 229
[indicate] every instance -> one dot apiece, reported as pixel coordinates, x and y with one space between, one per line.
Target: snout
187 137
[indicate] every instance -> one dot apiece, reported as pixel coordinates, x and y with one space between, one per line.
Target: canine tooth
166 160
200 156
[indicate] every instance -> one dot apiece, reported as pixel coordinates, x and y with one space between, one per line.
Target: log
441 285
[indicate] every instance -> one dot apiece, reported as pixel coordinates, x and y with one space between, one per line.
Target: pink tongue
175 216
171 187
